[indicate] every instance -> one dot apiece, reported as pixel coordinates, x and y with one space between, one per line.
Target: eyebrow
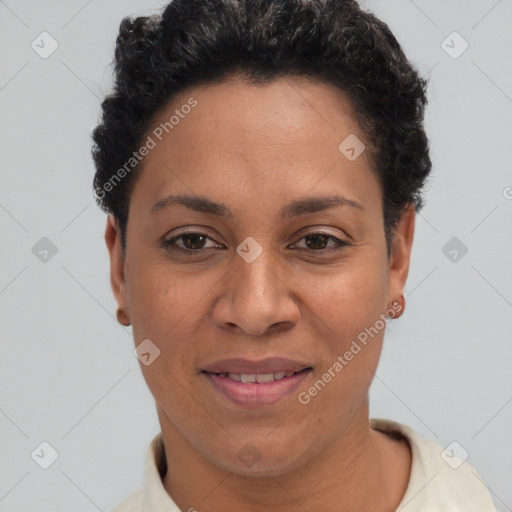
294 209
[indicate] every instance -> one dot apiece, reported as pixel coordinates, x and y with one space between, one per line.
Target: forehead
292 107
241 138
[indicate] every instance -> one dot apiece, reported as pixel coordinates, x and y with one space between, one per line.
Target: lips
256 383
273 365
260 378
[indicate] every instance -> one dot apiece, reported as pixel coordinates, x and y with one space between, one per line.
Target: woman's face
282 273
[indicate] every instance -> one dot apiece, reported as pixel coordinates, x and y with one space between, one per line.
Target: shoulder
439 480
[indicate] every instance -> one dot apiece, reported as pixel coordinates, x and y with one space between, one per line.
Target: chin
259 459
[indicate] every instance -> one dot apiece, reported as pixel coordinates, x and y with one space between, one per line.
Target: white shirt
434 485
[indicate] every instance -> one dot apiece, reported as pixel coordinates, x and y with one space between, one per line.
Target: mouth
252 384
278 367
259 378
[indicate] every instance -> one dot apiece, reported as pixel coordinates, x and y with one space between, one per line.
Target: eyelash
169 244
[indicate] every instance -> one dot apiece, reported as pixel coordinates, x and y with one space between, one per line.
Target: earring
122 318
397 307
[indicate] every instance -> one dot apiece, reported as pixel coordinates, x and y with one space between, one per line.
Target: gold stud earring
122 318
397 307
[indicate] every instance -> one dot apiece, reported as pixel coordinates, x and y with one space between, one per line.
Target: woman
262 163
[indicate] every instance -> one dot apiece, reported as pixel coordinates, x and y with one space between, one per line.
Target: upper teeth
260 377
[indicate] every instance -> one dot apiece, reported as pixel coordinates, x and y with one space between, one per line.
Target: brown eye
194 241
317 242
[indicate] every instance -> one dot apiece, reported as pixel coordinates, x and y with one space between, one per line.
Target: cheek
349 299
163 306
163 301
350 306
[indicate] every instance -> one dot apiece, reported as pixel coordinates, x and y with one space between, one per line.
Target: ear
115 249
400 254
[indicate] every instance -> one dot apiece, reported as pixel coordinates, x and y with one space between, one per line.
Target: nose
256 298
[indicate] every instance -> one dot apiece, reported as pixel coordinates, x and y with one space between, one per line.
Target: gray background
67 372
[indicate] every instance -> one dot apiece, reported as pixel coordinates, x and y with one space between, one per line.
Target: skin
255 149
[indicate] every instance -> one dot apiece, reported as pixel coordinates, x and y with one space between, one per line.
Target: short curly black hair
195 42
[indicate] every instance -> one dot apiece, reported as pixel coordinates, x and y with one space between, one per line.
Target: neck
362 470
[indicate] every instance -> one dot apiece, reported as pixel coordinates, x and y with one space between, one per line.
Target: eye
194 242
318 242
